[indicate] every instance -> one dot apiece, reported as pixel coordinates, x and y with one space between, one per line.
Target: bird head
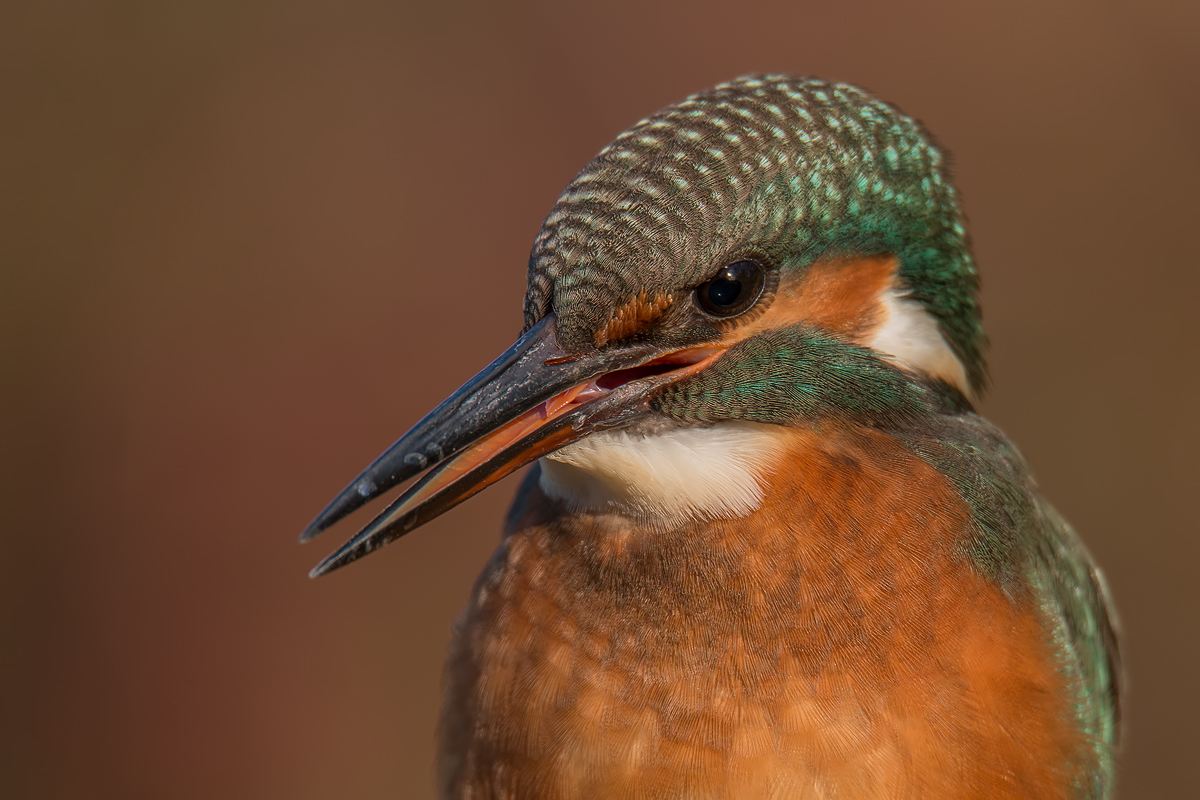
773 252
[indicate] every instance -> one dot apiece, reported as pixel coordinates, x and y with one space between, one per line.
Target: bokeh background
244 245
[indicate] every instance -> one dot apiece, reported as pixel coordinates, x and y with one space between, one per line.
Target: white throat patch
910 335
664 479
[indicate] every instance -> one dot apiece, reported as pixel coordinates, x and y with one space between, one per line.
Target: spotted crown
790 169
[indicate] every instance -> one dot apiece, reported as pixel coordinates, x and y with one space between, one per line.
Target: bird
767 547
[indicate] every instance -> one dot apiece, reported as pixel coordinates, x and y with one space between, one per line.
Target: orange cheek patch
841 296
633 317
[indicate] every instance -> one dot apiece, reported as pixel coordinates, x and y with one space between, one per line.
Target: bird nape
768 548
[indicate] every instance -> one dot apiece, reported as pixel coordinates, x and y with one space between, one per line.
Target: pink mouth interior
659 366
584 392
614 380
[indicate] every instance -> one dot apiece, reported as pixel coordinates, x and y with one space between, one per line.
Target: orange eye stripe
838 295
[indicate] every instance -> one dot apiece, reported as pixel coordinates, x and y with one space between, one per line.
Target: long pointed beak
530 401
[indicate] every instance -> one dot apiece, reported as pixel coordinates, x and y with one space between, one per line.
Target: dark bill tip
457 479
349 500
515 381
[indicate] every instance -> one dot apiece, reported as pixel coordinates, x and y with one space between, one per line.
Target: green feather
795 374
1021 542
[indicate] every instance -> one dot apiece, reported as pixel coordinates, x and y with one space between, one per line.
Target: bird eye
732 290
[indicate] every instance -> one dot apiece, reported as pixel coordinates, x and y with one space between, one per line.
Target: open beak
530 401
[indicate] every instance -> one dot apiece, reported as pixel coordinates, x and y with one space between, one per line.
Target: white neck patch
910 336
667 478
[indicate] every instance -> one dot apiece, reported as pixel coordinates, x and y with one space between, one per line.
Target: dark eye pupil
724 292
732 290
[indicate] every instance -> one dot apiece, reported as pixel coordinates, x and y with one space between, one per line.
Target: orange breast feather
833 644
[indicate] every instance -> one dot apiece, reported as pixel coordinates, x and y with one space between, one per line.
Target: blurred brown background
244 245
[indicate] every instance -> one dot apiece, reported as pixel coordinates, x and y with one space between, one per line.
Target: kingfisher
768 548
